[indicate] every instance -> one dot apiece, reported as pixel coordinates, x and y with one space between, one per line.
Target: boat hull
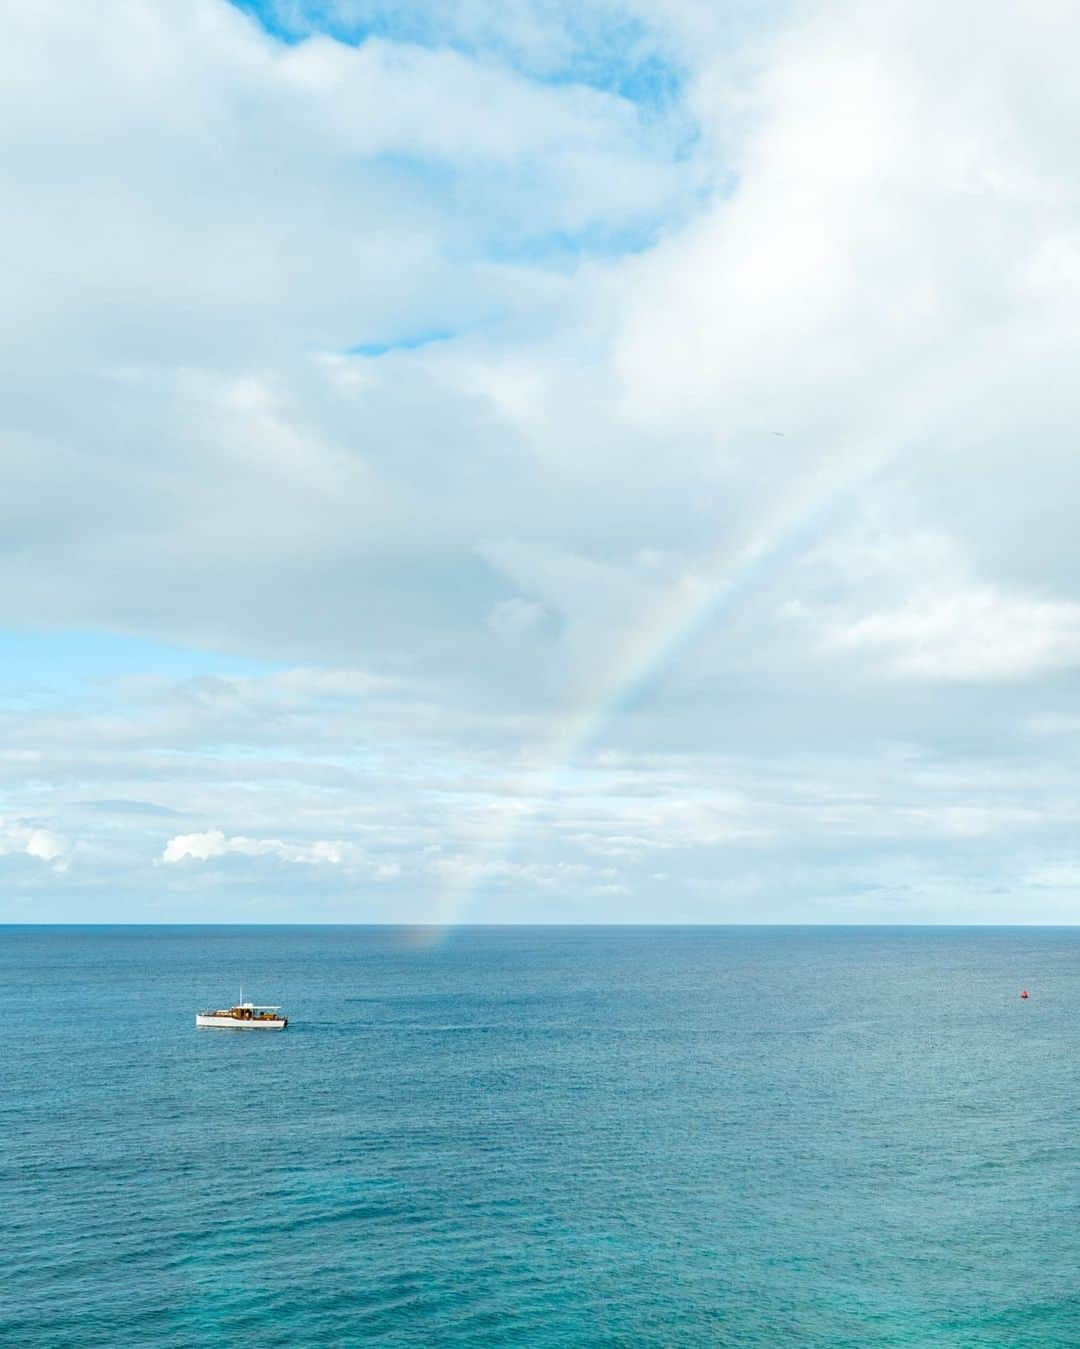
235 1023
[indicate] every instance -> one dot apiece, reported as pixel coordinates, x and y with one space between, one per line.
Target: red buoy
1023 992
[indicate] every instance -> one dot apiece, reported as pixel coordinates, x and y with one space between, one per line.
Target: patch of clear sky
608 49
38 664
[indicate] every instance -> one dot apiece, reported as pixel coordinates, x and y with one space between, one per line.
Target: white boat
244 1016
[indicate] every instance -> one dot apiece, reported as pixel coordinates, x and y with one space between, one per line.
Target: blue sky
539 462
62 662
617 48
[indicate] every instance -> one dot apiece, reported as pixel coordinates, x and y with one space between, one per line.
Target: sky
532 461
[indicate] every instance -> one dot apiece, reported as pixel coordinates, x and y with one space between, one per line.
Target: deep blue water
605 1136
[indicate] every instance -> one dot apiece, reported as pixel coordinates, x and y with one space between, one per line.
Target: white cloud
909 602
43 844
200 847
213 843
808 374
975 634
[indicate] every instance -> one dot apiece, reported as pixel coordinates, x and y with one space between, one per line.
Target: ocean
541 1136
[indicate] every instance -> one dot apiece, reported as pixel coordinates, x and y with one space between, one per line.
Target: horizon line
457 927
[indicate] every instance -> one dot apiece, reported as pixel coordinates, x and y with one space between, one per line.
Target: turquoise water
606 1136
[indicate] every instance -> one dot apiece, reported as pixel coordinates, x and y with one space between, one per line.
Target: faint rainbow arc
655 645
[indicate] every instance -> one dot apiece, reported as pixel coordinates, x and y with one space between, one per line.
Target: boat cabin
248 1011
245 1015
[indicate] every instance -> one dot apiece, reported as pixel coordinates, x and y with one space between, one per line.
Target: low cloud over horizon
611 462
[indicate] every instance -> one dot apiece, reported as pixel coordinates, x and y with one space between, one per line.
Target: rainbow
688 608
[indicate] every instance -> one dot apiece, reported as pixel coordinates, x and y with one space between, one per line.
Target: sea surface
542 1136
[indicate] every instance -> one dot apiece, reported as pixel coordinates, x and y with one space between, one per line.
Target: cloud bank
610 461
